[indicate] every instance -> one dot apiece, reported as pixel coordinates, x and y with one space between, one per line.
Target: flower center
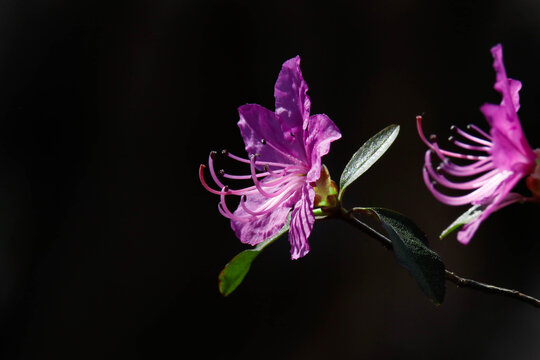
326 190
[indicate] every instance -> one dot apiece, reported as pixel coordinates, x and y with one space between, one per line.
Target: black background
109 246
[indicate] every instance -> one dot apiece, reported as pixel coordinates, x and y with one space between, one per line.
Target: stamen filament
480 131
258 163
468 146
227 213
480 193
258 184
440 152
212 171
468 136
467 185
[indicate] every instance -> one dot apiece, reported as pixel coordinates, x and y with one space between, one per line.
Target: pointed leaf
366 156
465 218
236 270
412 252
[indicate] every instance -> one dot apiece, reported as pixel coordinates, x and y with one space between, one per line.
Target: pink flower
285 149
498 160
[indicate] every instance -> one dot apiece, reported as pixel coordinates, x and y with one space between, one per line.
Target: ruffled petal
302 220
292 103
510 150
320 133
262 133
266 226
508 88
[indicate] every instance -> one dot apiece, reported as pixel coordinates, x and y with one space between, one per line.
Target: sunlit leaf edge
375 147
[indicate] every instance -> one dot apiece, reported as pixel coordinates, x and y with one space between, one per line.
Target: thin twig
450 276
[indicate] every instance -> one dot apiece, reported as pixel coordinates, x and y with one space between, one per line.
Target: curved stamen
469 170
468 136
480 131
228 215
461 156
273 203
480 193
226 212
203 182
245 177
245 191
440 152
258 184
211 168
258 163
467 185
468 146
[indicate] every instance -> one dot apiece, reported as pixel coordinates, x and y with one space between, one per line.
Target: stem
450 276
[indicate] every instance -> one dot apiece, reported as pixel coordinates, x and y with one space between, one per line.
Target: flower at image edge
498 159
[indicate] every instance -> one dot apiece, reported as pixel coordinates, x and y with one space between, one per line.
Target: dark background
109 246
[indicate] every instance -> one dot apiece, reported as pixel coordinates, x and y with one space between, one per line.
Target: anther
453 128
433 138
263 141
221 172
451 139
469 127
213 155
438 169
224 152
226 188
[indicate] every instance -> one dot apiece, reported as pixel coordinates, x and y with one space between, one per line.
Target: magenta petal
514 86
502 198
511 150
263 227
507 87
465 235
302 220
292 103
263 135
321 131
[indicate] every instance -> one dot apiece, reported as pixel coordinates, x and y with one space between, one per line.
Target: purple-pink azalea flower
498 159
285 149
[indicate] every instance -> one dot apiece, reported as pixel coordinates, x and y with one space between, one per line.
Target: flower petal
302 220
321 131
292 103
508 88
501 199
263 227
262 133
510 149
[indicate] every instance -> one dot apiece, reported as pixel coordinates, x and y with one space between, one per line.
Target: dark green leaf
465 218
236 270
366 156
412 252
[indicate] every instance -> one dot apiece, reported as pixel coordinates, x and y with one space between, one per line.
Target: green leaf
412 252
465 218
236 270
366 156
